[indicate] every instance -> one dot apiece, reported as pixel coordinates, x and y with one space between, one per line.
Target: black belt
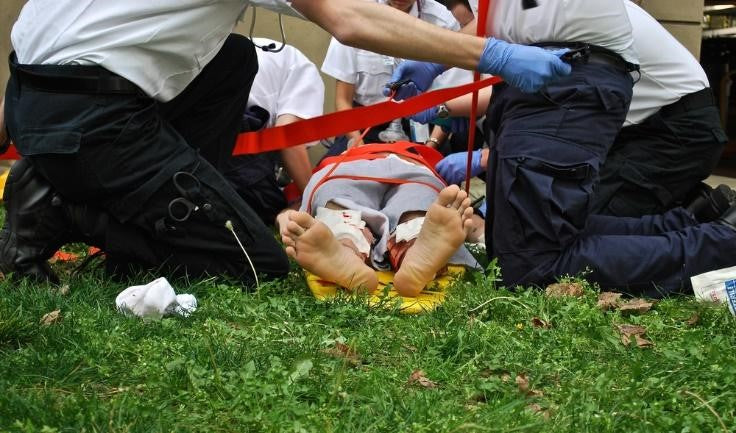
693 101
588 53
72 79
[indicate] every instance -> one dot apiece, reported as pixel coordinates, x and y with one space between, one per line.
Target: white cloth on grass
154 300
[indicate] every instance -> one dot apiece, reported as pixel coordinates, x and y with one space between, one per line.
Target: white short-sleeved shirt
370 71
668 70
287 83
598 22
160 45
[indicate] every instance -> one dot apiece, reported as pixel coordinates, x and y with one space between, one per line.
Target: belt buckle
577 55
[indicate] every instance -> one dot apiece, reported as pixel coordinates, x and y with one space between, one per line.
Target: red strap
340 122
483 8
373 151
425 155
11 153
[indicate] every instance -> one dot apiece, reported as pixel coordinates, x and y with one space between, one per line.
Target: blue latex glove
483 208
452 167
420 74
528 68
426 116
451 124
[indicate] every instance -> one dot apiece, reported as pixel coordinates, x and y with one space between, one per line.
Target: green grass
261 362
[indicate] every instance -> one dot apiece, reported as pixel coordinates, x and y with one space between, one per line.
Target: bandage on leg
313 246
348 228
402 239
442 233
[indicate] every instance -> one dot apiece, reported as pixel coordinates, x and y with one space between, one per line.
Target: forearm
437 134
296 161
471 28
460 106
385 30
344 94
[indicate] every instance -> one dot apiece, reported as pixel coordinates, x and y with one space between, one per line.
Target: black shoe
709 204
35 225
729 217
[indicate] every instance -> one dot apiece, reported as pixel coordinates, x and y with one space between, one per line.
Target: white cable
229 226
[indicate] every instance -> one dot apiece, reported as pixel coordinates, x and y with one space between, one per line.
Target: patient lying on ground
378 211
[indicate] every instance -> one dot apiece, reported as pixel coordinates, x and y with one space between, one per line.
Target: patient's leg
312 244
445 227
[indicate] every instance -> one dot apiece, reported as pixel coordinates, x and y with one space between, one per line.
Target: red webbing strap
340 122
483 8
11 153
373 151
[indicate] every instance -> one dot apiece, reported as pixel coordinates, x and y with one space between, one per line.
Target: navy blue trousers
542 178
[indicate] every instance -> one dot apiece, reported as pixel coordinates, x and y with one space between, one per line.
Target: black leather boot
710 203
35 225
729 217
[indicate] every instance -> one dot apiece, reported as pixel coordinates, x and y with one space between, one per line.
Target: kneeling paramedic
549 147
124 112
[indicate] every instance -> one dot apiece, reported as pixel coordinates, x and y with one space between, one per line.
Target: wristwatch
442 111
432 140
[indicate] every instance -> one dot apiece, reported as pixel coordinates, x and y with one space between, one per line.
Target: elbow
347 34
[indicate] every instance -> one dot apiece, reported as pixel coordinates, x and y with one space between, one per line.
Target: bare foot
313 246
446 225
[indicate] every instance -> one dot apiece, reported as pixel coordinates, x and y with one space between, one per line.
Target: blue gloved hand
450 124
483 208
452 167
420 74
425 116
528 68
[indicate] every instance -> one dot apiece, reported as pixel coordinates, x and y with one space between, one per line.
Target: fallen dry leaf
539 410
343 351
522 382
609 301
635 306
51 318
558 290
693 320
636 331
64 290
642 342
539 323
418 378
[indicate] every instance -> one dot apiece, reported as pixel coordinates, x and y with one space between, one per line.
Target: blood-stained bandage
403 239
346 224
408 230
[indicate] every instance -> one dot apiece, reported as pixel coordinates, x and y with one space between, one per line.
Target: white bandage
345 224
408 230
